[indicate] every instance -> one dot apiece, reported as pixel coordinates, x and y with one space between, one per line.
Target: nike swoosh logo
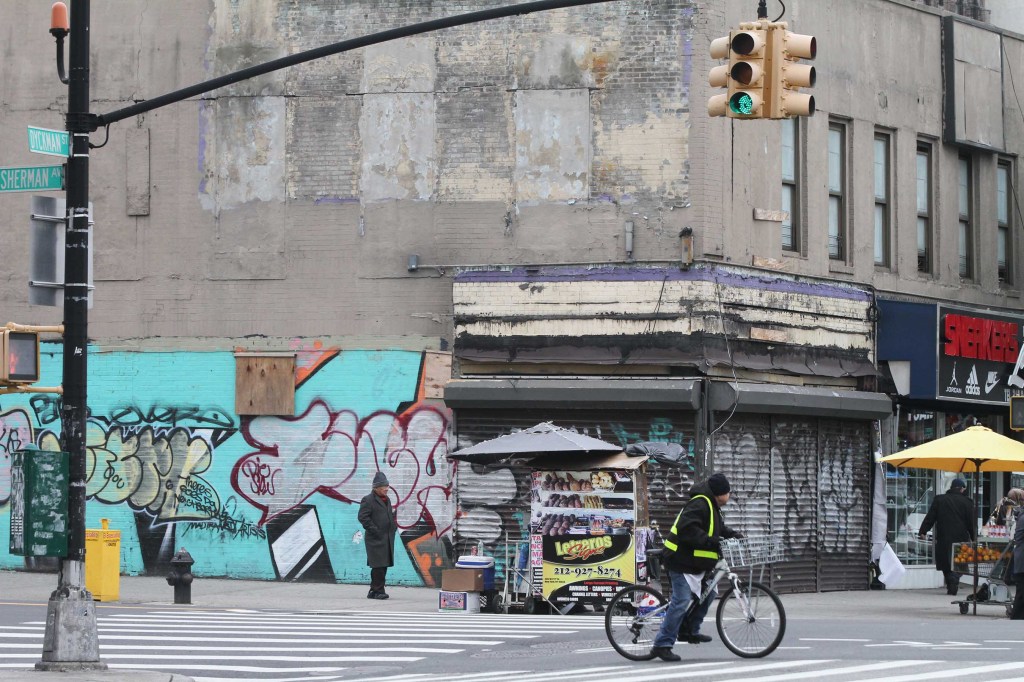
991 382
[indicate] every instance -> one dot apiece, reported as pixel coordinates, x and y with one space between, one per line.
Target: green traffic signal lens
742 103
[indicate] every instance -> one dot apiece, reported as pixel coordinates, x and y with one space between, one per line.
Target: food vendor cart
588 528
986 559
584 516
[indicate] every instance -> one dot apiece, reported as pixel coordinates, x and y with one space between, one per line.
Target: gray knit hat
380 479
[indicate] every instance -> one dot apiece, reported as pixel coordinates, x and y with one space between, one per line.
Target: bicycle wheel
751 620
632 621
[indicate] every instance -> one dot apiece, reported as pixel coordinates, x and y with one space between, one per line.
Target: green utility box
39 502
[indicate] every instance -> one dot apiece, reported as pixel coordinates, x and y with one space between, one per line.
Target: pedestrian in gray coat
1018 566
378 519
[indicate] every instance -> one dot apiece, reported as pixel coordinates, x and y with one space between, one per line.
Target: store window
909 492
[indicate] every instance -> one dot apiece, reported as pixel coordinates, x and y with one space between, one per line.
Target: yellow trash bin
103 562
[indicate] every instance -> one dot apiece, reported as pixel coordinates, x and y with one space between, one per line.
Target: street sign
46 141
31 178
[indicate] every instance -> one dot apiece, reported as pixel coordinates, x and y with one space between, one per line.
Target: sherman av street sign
46 141
32 179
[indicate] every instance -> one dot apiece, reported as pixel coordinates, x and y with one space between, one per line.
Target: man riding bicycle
691 551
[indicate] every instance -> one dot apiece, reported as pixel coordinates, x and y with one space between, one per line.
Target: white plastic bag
890 568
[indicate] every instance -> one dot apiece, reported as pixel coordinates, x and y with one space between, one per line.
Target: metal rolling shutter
795 502
845 504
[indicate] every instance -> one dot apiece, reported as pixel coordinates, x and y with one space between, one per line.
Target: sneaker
696 639
371 595
665 654
381 595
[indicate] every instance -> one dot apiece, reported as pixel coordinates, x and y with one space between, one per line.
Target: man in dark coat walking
378 519
952 515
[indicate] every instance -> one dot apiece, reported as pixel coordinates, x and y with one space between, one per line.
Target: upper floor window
1004 222
924 207
837 191
965 199
790 200
883 219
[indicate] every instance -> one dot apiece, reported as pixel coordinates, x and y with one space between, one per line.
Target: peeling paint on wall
553 148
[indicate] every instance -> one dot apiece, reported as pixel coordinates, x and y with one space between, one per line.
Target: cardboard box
458 602
462 580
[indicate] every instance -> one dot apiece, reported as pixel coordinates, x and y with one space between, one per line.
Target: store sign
981 356
582 530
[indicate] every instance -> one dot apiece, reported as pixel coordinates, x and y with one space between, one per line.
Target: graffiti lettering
225 522
336 454
147 469
171 416
46 408
261 478
15 433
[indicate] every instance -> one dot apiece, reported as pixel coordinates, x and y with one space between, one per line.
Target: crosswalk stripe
495 676
678 670
312 649
274 640
940 674
438 624
254 655
254 630
814 674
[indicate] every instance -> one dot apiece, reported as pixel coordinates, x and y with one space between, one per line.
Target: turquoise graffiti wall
171 465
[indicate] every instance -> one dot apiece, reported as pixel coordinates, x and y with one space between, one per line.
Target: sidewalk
210 593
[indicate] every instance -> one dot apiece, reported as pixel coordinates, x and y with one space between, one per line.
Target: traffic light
20 357
747 52
788 75
718 77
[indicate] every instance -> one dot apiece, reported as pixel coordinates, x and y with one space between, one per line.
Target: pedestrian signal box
20 351
1017 413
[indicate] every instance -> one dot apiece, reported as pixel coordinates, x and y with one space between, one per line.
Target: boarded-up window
265 383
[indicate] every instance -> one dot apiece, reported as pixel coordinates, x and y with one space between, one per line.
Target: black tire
630 630
964 608
754 634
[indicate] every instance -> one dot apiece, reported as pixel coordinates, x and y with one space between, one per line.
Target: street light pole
71 640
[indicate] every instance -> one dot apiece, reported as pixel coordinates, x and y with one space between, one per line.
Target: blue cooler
485 563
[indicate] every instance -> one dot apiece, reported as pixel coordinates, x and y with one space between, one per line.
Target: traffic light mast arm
5 390
53 329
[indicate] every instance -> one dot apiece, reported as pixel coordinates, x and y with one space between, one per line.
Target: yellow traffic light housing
1017 413
747 52
788 75
718 77
20 357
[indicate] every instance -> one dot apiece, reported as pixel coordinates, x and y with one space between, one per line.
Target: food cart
588 528
987 560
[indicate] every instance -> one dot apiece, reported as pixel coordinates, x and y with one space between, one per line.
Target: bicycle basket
754 550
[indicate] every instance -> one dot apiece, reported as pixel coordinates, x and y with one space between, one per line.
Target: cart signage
582 527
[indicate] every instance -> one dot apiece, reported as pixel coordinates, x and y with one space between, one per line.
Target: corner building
370 260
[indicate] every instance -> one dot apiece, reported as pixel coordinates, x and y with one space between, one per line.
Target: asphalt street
276 631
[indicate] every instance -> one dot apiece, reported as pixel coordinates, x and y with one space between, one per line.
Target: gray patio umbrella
538 440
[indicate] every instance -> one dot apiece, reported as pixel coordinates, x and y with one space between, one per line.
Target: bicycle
750 618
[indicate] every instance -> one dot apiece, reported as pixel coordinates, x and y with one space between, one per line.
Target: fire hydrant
181 577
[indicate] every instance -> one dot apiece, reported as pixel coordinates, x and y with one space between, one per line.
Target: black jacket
952 514
690 533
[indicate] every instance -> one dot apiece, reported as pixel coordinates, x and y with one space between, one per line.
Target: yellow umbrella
974 450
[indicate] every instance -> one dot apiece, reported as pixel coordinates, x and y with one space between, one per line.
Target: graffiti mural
256 497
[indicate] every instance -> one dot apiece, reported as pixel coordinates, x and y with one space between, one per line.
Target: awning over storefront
595 393
802 400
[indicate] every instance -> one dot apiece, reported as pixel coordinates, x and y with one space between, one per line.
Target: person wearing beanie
691 550
380 524
952 516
